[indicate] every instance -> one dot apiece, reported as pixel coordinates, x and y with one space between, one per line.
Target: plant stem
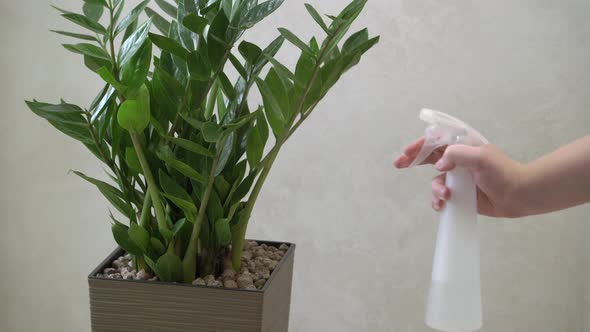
145 210
189 263
152 188
240 231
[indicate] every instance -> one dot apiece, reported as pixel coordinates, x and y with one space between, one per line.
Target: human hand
495 175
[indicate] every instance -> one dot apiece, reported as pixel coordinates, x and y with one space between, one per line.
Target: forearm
556 181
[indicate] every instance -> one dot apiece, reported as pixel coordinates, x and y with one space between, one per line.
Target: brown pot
148 306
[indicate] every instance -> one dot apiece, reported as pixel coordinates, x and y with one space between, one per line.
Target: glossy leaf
226 152
75 35
198 67
140 236
279 91
85 22
222 232
132 16
216 46
64 117
190 146
177 195
120 233
238 65
355 40
132 160
112 194
317 17
159 22
170 45
254 147
167 7
107 76
183 168
272 108
259 12
250 52
296 41
93 10
195 23
211 132
134 71
88 49
227 87
133 43
169 268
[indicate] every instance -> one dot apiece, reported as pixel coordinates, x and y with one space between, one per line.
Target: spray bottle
454 301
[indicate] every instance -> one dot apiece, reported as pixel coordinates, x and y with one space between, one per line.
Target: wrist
516 204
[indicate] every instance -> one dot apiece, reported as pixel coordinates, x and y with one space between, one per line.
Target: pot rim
119 251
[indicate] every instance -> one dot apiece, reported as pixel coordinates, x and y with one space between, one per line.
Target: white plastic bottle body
454 301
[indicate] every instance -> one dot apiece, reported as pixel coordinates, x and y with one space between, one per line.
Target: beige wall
517 70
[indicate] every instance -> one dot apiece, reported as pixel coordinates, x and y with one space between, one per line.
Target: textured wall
517 70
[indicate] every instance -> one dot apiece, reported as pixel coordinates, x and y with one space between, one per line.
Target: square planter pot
118 305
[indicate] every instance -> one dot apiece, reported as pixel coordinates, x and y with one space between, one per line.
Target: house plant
184 149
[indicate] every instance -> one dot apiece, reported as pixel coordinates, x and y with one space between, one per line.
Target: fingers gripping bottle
454 301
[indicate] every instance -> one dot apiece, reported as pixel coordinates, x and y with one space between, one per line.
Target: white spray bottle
454 301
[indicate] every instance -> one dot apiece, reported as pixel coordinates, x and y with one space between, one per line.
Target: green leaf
250 52
85 22
244 187
192 122
132 16
225 154
183 168
296 41
262 126
169 268
167 7
156 247
304 70
222 232
88 49
279 91
95 64
281 69
177 195
197 66
167 91
317 17
211 132
140 236
238 65
228 88
159 22
211 99
178 226
170 45
97 2
152 264
258 13
133 43
195 23
107 76
135 71
355 40
75 35
254 147
134 115
240 122
216 46
190 146
132 160
221 107
66 118
92 10
112 194
272 108
124 241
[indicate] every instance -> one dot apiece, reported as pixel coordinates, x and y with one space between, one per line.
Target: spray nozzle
445 130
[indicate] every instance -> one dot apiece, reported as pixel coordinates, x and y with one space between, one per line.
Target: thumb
466 156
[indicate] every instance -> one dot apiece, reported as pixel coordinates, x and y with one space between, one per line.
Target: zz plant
180 142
